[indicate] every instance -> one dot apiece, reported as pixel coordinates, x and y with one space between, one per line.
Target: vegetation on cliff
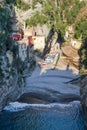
5 29
8 47
58 15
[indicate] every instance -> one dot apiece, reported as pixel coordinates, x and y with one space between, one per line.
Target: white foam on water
17 106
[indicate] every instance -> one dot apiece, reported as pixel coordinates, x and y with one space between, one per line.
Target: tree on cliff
58 14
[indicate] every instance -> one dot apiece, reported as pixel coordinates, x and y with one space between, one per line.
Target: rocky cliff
83 91
9 73
12 67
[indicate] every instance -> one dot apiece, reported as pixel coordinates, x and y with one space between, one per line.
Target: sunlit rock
9 55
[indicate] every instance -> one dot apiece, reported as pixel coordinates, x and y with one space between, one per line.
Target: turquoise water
56 117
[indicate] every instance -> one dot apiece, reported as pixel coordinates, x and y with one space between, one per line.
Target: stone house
38 42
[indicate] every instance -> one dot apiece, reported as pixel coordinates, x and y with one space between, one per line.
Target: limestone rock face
72 57
83 92
15 57
11 65
10 56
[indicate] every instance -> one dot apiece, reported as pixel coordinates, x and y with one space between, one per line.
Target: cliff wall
83 91
12 66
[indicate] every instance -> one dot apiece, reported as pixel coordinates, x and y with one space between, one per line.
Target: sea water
53 116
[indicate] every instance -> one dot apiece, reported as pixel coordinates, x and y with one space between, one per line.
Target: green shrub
22 5
81 28
37 18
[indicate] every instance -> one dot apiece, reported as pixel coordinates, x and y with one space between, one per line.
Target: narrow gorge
43 64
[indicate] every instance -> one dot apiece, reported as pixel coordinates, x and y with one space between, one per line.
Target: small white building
76 43
39 42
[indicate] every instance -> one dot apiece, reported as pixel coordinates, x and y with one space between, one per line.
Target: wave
17 106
